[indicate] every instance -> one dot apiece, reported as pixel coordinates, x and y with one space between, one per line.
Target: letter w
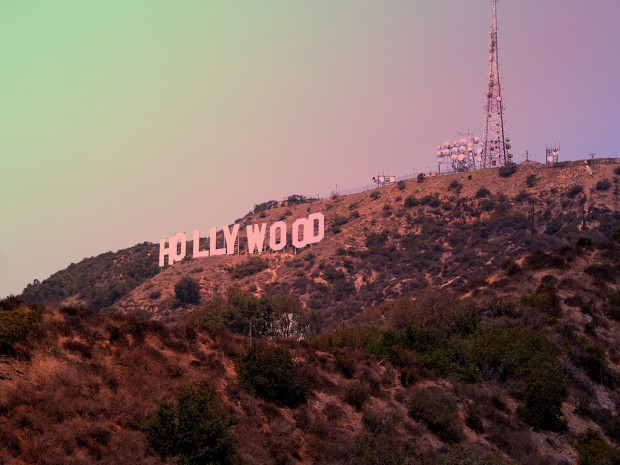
256 237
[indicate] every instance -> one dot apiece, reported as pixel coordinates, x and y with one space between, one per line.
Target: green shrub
615 235
603 272
401 185
250 266
584 242
430 200
261 207
194 429
524 358
545 299
296 199
590 357
469 455
275 315
617 170
507 170
593 450
411 201
337 222
272 374
539 260
603 185
482 193
15 325
187 291
531 180
438 410
420 177
356 394
374 195
11 303
355 337
509 354
554 226
574 191
545 391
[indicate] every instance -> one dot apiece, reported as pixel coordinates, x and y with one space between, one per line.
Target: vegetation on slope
98 282
468 327
478 377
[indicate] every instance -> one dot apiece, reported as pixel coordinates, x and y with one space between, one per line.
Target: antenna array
495 145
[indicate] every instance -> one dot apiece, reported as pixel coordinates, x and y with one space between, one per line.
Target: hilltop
468 318
447 231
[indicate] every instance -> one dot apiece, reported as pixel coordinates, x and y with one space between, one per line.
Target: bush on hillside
15 325
603 185
261 207
272 374
275 315
507 170
187 291
193 429
411 202
510 354
248 267
356 394
438 410
593 450
455 185
337 222
574 191
539 260
602 271
553 227
469 455
545 391
531 180
11 303
482 193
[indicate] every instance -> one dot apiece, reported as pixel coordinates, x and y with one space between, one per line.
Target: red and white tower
495 142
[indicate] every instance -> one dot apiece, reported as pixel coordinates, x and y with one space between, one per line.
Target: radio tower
495 143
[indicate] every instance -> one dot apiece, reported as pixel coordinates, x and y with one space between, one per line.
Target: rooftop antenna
495 143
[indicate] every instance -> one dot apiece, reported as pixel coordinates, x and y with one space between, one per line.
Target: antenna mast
495 143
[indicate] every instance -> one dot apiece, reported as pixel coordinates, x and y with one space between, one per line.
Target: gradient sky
125 121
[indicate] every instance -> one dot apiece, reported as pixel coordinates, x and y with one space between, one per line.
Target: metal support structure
552 155
495 143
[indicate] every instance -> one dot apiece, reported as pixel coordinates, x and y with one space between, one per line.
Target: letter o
274 244
301 243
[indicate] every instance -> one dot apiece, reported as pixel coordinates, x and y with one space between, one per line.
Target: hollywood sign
304 231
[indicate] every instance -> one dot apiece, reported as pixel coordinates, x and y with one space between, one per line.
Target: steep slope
97 282
523 369
472 320
447 231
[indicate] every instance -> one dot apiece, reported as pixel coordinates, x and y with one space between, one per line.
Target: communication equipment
552 154
495 143
458 155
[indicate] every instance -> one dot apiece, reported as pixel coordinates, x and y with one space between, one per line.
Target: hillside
448 231
463 319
